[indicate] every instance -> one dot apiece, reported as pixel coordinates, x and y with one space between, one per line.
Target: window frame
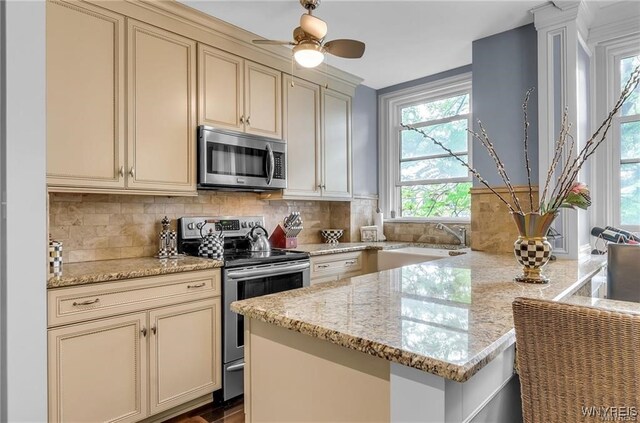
606 172
390 106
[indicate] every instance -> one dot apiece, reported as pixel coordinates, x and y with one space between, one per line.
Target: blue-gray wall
504 67
425 79
365 141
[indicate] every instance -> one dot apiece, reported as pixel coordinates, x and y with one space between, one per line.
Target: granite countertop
346 247
449 317
604 304
112 270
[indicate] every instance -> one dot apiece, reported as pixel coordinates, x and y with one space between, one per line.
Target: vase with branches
562 190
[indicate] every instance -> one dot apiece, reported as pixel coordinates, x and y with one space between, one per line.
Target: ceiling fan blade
313 26
349 49
273 42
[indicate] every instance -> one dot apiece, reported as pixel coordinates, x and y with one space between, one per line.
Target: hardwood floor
232 412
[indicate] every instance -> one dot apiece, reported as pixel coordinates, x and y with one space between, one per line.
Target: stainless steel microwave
230 160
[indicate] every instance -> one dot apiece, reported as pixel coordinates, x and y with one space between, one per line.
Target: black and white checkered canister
532 252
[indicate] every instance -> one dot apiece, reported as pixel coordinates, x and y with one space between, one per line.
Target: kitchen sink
392 259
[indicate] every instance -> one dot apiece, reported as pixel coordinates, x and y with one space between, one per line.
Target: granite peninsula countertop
448 317
347 247
113 270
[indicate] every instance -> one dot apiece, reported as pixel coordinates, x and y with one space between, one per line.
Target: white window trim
389 143
606 172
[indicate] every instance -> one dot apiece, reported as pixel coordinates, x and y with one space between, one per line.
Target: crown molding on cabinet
199 26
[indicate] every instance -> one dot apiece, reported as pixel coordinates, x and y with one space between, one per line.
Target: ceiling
405 40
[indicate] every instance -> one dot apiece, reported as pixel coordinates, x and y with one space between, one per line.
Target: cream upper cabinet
185 353
263 103
220 88
162 101
237 94
112 128
317 129
98 371
302 133
336 146
85 96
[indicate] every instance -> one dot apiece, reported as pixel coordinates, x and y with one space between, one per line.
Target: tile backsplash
101 226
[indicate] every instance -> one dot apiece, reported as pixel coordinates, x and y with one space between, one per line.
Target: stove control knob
243 224
191 226
251 224
257 223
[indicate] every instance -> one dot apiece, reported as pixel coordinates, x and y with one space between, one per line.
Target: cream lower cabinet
98 371
332 267
117 128
317 129
238 94
159 359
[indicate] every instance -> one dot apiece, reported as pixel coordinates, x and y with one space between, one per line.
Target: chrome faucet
461 234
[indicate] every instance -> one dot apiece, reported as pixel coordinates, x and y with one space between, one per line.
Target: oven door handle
270 164
243 274
236 367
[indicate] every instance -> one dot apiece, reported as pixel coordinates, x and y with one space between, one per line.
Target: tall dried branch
526 145
488 145
473 171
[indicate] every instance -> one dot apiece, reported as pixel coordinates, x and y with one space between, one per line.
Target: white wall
24 381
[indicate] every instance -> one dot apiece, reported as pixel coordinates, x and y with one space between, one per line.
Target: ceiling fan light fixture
313 26
308 55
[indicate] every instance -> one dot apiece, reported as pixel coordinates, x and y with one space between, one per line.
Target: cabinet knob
242 119
121 172
143 331
132 172
248 120
154 329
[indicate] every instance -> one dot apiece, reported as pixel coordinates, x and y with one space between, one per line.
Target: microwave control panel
279 167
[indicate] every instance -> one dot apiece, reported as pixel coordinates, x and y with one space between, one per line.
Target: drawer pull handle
88 302
200 285
350 262
323 266
143 331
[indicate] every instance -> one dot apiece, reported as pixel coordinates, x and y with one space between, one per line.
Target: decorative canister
167 241
532 250
211 245
55 257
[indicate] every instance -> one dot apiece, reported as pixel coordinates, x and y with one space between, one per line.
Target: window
627 136
419 180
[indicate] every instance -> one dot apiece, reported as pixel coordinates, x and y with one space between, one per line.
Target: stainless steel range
246 274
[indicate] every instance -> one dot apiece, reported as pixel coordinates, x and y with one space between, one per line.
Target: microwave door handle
270 166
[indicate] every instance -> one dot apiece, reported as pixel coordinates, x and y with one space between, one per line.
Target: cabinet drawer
336 263
70 305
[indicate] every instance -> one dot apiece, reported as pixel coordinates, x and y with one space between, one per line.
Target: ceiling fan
309 46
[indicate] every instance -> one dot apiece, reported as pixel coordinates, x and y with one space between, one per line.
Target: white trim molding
388 145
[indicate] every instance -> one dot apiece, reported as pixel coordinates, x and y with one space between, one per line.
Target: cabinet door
336 113
220 93
185 360
162 125
85 96
98 371
302 133
263 101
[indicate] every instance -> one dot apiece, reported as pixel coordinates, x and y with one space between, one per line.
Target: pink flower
579 187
